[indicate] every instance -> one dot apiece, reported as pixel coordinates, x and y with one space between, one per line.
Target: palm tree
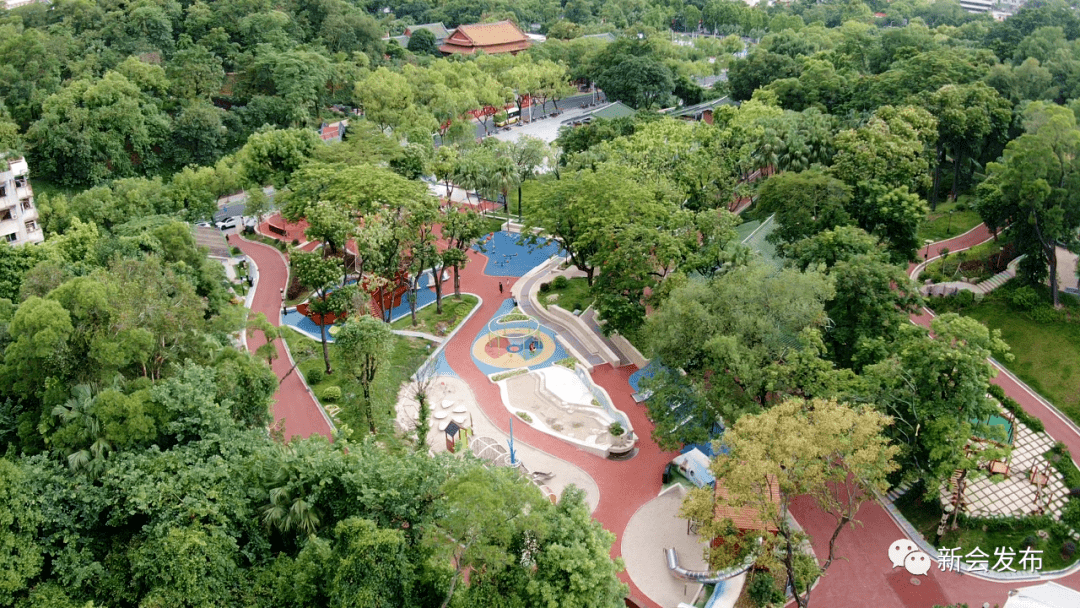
502 176
288 513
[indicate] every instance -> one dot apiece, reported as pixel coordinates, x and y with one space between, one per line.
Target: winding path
293 403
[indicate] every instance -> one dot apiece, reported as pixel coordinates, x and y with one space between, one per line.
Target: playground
509 255
513 340
557 401
303 320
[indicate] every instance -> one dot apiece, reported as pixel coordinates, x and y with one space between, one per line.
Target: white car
204 224
228 223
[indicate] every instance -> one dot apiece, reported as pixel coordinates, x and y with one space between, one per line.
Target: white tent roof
1047 595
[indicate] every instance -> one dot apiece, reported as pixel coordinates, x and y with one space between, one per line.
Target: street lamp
283 310
926 256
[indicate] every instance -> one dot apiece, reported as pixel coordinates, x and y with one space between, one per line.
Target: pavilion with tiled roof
492 38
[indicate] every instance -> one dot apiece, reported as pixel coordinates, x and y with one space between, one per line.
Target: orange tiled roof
500 37
745 518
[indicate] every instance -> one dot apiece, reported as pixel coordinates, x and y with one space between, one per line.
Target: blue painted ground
504 308
509 256
646 372
424 296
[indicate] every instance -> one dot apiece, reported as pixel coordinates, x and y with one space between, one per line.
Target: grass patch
949 220
1053 372
523 416
987 534
569 362
509 374
404 359
948 269
576 295
429 321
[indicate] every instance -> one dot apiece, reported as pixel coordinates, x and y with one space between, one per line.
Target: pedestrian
500 287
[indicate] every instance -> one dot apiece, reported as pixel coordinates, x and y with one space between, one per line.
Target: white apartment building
18 215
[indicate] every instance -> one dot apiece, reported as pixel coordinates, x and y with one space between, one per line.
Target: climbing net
516 331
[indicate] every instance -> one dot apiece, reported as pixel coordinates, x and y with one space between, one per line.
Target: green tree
93 130
641 82
422 42
968 118
805 204
271 157
759 324
486 509
834 454
366 344
528 155
462 227
21 557
935 389
318 274
1033 190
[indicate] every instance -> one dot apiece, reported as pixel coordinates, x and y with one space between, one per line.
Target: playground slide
699 576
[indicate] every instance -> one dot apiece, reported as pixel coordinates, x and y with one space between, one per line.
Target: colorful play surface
496 350
510 256
425 295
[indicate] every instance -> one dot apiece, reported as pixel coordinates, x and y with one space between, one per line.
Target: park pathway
863 577
292 402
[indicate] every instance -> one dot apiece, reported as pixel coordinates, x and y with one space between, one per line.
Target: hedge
1010 404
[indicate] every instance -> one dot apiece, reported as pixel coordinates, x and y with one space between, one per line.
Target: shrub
282 245
1030 541
616 429
545 287
1045 313
524 416
331 394
763 591
1024 298
315 376
1068 549
1070 515
560 282
296 242
1060 457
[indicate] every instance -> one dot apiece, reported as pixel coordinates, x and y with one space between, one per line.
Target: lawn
428 321
404 359
948 221
575 295
945 269
1013 533
1053 372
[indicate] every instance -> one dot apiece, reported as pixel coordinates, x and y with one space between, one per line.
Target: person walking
500 287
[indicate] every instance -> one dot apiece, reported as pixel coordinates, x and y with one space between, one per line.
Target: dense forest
141 466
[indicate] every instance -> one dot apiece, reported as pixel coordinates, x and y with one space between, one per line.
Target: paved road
292 402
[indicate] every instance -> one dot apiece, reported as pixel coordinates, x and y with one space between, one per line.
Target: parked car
228 223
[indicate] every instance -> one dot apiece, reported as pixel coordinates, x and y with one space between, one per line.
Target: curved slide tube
703 577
